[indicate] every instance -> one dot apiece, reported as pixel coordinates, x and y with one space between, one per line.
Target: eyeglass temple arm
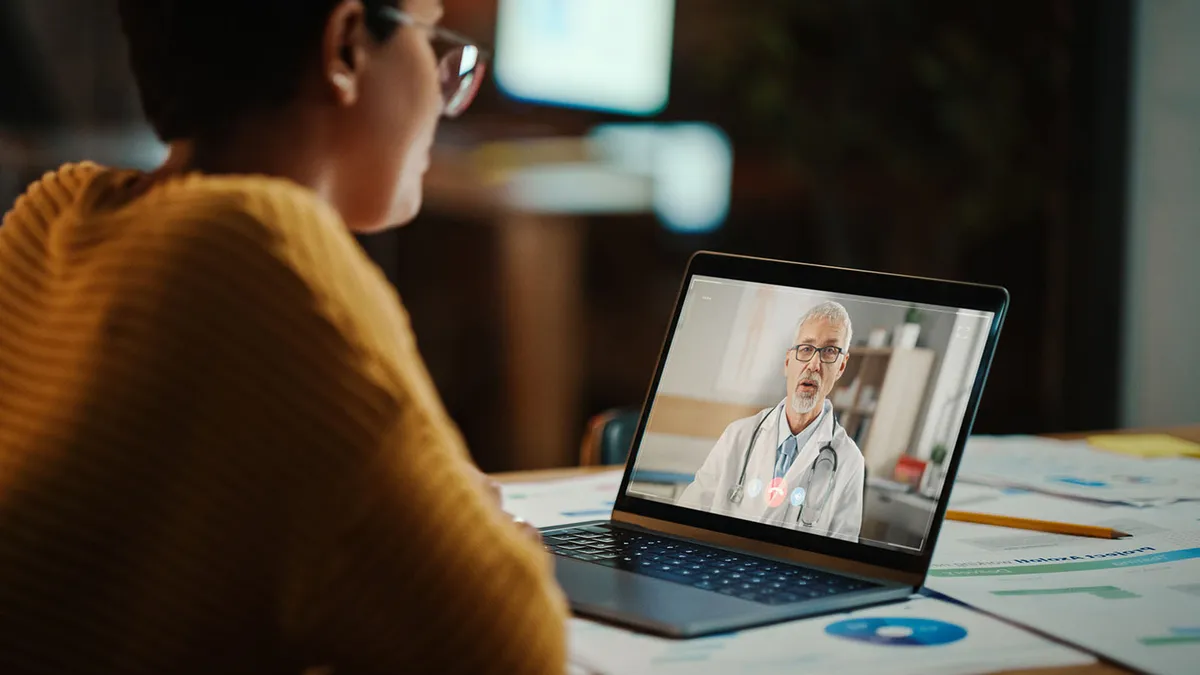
402 17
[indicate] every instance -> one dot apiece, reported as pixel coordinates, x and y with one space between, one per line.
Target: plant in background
938 454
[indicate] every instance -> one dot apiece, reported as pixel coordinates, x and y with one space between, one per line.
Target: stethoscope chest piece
735 494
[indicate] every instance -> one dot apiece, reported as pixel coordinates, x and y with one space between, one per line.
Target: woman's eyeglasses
460 70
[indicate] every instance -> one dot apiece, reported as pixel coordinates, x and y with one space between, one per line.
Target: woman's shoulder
190 205
54 192
268 205
262 222
197 235
279 218
254 230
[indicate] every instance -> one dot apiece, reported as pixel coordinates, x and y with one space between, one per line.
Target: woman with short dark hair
220 451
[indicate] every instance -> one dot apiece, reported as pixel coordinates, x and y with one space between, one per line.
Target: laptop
794 452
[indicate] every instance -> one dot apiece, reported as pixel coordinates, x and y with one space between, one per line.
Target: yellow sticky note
1146 445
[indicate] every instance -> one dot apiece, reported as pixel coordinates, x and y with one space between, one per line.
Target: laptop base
666 608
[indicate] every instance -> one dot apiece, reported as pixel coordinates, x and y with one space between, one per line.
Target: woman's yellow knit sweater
220 451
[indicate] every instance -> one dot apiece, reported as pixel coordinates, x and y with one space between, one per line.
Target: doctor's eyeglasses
805 353
460 69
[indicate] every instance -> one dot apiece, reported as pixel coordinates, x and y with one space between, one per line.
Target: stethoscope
826 458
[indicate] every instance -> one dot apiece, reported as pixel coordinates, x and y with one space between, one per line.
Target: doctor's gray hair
831 311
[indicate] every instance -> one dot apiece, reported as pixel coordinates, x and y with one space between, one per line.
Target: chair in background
608 436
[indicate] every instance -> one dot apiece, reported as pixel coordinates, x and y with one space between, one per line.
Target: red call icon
776 492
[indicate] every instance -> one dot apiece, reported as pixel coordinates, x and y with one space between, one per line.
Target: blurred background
1052 147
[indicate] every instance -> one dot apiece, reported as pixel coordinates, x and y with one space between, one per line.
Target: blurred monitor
690 163
609 55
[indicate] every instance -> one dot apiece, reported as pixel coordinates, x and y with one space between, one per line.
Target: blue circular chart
897 631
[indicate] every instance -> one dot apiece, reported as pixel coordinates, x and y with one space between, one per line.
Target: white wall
730 342
731 339
1162 301
700 340
946 406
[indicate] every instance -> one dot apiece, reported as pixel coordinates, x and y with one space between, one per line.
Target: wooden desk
1191 432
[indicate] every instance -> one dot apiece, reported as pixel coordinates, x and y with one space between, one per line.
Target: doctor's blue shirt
785 452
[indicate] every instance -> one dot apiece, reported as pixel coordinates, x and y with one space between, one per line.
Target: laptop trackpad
638 599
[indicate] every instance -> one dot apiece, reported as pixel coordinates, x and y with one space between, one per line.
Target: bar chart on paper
1189 635
1136 602
1102 592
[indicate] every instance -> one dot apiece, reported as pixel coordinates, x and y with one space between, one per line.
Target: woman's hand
492 488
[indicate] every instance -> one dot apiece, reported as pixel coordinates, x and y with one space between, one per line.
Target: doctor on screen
792 464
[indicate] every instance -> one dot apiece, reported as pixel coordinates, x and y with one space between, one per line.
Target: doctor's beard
804 403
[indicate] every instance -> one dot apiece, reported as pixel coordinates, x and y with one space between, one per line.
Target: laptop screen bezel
885 286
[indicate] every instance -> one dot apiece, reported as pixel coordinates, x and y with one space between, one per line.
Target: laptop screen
827 413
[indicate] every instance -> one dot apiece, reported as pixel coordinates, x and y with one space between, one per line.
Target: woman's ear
344 51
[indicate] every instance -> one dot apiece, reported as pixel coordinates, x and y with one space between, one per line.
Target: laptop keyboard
711 569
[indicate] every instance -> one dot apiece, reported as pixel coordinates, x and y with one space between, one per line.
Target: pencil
1040 525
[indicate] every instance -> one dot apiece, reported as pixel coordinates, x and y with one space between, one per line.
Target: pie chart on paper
897 631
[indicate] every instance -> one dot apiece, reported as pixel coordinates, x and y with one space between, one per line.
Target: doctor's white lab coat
709 491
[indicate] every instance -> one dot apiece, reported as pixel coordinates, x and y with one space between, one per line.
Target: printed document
921 636
1075 469
1135 600
559 502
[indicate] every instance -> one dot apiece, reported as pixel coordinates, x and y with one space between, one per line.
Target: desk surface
1191 433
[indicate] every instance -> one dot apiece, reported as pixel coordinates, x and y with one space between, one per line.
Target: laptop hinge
817 560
